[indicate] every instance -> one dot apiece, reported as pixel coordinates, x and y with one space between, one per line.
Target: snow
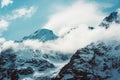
29 50
28 79
42 35
104 64
68 76
87 57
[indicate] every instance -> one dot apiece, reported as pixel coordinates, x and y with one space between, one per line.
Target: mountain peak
42 35
114 17
97 61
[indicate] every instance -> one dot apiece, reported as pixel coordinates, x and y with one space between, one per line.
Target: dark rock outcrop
94 62
113 17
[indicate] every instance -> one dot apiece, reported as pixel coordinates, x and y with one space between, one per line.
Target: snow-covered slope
97 61
114 17
42 35
22 62
30 64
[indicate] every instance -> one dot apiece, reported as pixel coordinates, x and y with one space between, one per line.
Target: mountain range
97 61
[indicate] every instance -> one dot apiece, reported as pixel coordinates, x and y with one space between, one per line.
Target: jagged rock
44 78
14 75
90 28
13 67
113 17
57 56
41 64
45 66
94 62
26 71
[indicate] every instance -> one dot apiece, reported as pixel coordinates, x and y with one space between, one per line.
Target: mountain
29 64
97 61
42 35
114 17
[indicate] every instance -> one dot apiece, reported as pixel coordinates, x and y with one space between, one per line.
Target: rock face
98 61
114 17
26 71
7 65
18 65
14 67
42 35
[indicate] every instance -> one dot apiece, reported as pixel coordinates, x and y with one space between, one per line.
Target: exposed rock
94 62
26 71
114 17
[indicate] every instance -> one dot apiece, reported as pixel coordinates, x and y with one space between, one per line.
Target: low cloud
5 3
73 41
31 44
82 36
10 44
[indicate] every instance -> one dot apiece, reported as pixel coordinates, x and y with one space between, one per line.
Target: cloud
15 14
22 12
2 40
31 44
76 39
3 25
82 36
81 12
9 44
6 3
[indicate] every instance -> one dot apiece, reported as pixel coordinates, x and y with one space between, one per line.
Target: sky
19 18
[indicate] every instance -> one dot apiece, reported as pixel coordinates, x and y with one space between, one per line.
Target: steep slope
42 35
29 64
97 61
114 17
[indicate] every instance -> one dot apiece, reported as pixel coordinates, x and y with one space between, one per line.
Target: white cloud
6 3
2 40
7 44
82 36
22 12
3 25
18 13
81 12
75 40
78 14
31 44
